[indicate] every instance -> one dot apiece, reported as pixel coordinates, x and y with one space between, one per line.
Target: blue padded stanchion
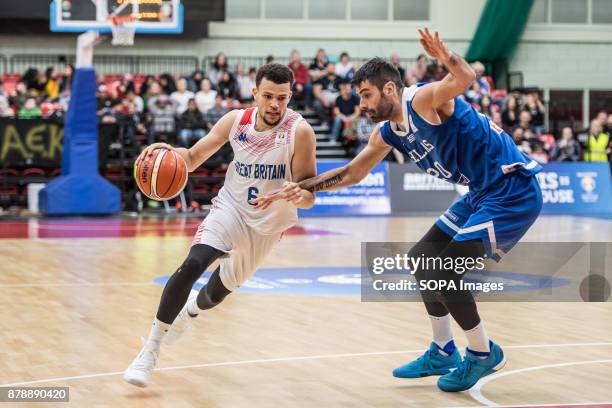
80 189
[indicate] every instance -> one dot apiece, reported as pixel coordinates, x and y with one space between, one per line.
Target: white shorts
225 230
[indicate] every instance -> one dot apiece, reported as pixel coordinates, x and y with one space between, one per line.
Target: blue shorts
499 215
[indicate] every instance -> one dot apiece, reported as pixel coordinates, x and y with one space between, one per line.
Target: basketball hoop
123 30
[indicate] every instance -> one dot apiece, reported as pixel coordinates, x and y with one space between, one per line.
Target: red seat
10 82
8 172
33 171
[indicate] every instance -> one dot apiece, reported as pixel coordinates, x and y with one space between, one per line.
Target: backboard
151 16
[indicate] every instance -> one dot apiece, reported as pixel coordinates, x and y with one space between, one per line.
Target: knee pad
190 271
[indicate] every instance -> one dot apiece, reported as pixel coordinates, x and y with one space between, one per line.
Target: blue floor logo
338 281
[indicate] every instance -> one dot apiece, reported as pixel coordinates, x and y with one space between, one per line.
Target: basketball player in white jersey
272 146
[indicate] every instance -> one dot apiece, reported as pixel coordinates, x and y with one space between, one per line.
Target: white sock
442 331
192 306
158 331
477 339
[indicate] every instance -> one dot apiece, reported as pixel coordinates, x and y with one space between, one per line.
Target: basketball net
122 29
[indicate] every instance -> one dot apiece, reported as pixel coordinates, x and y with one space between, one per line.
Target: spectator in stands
602 117
317 69
270 59
194 80
231 103
5 109
345 68
227 86
219 66
598 145
417 71
191 125
301 86
153 92
205 98
126 83
511 113
216 112
435 72
126 114
104 101
246 86
144 88
52 86
346 110
395 61
19 95
568 148
539 154
485 106
479 69
65 82
325 91
29 110
608 126
497 119
520 141
138 102
181 96
536 109
474 94
162 116
167 83
525 121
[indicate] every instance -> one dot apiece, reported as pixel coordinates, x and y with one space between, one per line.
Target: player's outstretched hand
291 192
149 150
434 46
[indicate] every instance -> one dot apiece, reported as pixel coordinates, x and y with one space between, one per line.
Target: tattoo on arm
453 59
327 183
324 181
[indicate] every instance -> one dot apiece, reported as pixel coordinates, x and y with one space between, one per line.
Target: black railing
256 62
145 64
109 64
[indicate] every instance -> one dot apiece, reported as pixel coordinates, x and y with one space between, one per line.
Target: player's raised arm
205 147
439 94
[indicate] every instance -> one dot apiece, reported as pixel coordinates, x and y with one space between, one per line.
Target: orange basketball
162 175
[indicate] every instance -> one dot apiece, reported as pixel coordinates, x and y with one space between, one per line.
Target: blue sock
449 348
481 354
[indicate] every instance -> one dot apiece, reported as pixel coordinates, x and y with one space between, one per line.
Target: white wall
565 56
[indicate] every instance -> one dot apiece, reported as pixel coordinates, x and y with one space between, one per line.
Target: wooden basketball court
78 295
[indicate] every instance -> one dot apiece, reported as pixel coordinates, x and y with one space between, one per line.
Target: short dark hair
277 73
378 72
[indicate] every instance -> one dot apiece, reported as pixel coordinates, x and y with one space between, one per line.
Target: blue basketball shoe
431 363
472 369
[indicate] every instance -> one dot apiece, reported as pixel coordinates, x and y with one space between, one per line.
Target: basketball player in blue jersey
448 139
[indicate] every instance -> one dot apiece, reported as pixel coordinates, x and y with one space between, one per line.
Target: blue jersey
466 149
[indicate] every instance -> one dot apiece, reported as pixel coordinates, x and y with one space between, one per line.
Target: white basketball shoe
139 372
182 323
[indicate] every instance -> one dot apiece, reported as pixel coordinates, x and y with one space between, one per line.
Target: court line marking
284 359
476 393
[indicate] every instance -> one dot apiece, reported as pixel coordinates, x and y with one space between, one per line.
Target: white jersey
262 163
